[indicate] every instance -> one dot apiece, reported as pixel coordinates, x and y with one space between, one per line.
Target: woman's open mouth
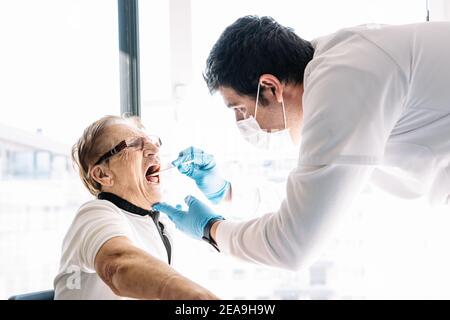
151 175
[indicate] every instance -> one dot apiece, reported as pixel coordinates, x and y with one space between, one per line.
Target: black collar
127 206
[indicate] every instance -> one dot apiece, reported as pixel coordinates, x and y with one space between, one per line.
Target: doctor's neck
293 101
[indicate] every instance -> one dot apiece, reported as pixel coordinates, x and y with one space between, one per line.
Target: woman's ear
275 86
102 175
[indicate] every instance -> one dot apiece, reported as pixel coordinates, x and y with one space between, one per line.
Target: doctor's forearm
213 230
317 198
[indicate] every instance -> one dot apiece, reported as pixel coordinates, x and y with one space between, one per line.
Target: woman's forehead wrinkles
122 131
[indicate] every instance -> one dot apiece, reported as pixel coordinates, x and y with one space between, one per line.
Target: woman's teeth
152 174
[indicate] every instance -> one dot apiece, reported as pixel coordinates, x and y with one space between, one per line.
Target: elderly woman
116 246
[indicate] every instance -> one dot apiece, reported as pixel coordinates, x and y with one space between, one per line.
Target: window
59 63
318 275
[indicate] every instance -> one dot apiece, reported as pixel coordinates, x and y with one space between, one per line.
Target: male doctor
369 102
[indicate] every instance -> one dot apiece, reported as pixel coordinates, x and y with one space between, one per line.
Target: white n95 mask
271 141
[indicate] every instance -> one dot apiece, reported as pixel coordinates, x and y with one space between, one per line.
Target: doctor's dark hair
251 47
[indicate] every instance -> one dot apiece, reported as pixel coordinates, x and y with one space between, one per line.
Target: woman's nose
151 150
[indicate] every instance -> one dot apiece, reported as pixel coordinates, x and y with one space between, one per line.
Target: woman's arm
131 272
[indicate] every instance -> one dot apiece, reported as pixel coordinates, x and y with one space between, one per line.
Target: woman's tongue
152 179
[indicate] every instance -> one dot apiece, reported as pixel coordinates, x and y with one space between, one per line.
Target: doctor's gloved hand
204 172
193 221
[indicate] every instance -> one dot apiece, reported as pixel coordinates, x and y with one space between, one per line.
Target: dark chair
40 295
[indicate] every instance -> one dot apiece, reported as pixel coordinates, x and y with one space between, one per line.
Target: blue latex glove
204 172
194 220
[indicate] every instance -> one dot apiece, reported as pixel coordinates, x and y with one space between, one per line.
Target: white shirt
376 106
96 222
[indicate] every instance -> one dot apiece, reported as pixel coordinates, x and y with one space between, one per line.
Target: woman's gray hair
90 147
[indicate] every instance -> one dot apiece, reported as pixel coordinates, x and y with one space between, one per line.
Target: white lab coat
376 106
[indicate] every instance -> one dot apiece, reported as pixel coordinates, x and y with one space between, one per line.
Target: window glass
59 65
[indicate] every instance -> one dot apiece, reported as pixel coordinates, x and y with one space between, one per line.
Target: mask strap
284 113
257 98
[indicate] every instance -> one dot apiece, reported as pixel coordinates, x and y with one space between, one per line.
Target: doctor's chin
165 151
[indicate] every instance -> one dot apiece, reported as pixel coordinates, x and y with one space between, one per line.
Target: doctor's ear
271 82
102 175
